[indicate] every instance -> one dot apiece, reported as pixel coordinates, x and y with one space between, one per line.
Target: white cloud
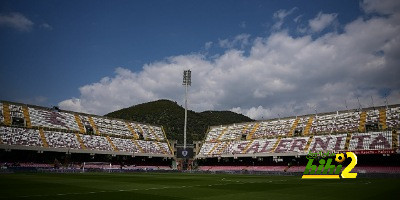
239 41
46 26
17 21
382 6
280 75
208 45
321 21
280 16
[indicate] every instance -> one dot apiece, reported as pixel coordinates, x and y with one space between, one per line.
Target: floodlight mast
187 81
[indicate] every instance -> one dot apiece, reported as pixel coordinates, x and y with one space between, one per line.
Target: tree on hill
171 116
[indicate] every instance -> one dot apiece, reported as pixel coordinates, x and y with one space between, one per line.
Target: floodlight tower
187 81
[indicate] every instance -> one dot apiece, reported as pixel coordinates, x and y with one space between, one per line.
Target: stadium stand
96 142
20 136
62 140
369 129
52 119
46 129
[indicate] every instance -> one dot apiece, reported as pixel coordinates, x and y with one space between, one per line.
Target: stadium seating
125 145
328 142
393 117
274 128
16 111
111 126
62 140
151 132
95 142
214 133
20 136
336 122
371 141
52 119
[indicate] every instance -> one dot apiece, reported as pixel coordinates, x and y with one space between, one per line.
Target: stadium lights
187 81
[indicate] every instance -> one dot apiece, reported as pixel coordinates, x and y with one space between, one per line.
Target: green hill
171 116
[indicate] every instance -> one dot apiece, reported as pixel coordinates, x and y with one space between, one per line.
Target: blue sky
70 53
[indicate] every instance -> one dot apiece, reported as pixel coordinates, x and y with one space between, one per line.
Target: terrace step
363 118
214 147
80 141
308 143
135 135
165 136
96 131
112 144
155 135
44 141
247 147
346 146
6 114
26 116
80 124
382 118
243 130
223 147
140 128
137 144
308 126
250 136
161 148
395 139
276 144
222 133
294 126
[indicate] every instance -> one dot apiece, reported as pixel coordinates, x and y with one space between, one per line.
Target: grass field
189 186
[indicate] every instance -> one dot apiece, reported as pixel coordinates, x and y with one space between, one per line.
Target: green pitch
163 186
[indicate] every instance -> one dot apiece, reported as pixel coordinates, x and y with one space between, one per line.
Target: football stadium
278 99
62 154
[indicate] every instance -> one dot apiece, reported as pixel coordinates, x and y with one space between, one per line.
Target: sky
264 59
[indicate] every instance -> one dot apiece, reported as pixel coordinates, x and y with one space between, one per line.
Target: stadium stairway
155 135
161 148
348 138
244 129
293 127
223 147
308 126
222 133
6 114
250 136
135 135
276 144
80 141
308 143
214 147
382 118
112 144
363 118
44 141
394 139
137 144
165 136
26 116
80 125
247 147
93 125
140 128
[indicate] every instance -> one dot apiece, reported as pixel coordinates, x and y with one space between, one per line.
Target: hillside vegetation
171 116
